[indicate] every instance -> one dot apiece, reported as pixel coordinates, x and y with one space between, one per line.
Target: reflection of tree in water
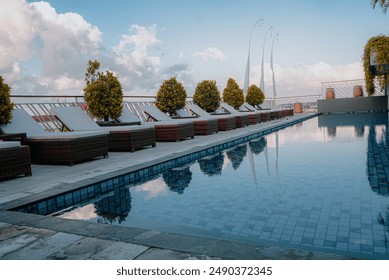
236 155
177 179
359 131
378 162
212 166
257 146
114 208
331 131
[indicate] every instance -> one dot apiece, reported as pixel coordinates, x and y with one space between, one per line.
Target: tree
171 96
103 93
6 105
207 96
380 46
383 3
255 96
233 94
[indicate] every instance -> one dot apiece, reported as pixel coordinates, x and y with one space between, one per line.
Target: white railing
39 106
344 89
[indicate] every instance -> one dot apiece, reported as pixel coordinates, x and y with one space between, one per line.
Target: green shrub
171 96
6 105
233 94
255 96
207 96
379 45
103 93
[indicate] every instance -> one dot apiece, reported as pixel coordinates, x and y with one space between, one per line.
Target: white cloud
132 50
211 54
304 79
39 47
16 32
64 82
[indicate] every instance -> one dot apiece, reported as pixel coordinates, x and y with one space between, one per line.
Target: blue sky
47 44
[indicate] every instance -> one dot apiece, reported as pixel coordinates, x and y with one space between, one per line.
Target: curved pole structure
271 67
262 83
247 74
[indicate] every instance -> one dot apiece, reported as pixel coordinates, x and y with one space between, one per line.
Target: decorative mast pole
272 70
247 74
262 83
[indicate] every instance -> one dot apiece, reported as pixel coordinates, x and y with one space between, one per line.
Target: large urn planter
297 108
358 91
330 93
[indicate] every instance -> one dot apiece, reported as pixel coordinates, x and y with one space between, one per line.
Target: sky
45 46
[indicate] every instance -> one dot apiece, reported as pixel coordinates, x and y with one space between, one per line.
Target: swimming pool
319 185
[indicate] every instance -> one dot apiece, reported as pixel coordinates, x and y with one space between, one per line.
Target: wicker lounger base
174 131
15 161
242 121
226 124
67 151
131 140
254 118
287 112
205 127
265 116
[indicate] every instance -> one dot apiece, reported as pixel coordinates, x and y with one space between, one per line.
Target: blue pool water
319 185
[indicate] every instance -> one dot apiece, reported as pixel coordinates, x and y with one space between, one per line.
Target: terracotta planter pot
330 93
297 108
358 91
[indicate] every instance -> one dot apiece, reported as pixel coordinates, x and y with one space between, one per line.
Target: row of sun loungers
86 140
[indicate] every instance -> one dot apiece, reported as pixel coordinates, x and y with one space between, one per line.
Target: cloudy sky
45 46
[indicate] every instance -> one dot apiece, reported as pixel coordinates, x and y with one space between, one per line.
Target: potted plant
207 96
171 96
375 59
254 96
103 93
233 94
6 105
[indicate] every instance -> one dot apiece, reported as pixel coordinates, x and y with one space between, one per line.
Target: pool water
319 185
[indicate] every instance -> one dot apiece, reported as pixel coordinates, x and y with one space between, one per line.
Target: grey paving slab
43 248
120 251
81 249
2 225
15 243
159 254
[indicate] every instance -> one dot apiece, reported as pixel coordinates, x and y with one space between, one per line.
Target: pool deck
28 236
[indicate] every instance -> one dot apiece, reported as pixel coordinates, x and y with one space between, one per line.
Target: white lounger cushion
22 122
76 119
68 135
160 116
9 144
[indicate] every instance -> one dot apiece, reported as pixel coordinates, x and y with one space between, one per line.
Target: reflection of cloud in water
153 188
86 212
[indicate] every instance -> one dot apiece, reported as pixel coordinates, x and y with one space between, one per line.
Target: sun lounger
269 114
242 119
57 147
225 122
14 160
167 129
120 138
202 125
